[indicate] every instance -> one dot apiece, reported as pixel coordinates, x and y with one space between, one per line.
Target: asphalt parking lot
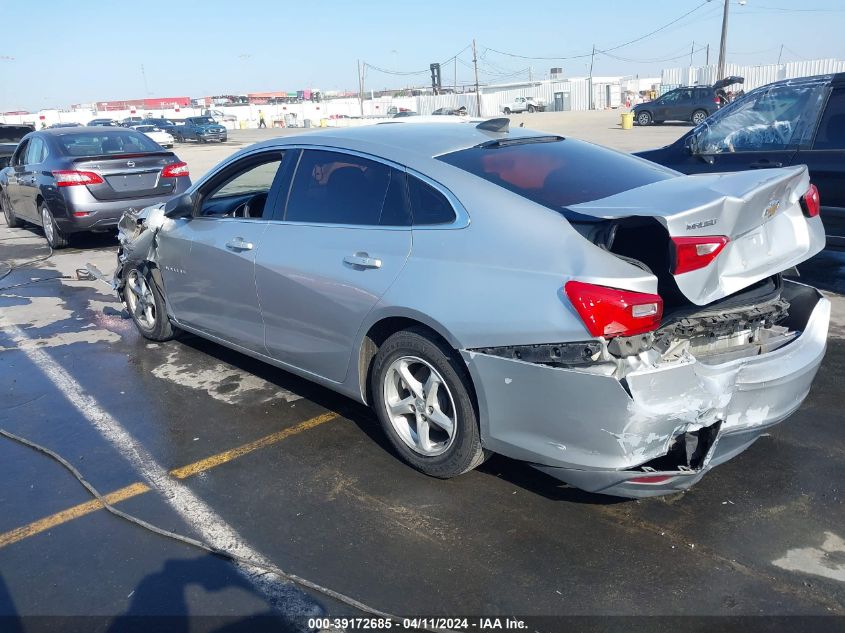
274 467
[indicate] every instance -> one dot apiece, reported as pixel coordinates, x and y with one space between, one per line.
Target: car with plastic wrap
790 122
614 323
77 179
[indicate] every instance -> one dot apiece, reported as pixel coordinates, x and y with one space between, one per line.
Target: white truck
524 104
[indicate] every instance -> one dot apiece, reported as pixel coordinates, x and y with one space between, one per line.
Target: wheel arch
380 327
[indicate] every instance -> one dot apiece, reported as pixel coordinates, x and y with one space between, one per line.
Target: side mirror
180 206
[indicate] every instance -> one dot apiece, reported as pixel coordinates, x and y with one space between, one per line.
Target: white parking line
205 521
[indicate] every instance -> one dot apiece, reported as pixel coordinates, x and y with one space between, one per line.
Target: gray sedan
614 323
73 179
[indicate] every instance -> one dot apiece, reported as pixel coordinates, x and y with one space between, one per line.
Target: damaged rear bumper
663 426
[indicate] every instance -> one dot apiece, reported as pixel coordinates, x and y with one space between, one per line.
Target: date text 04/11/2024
434 623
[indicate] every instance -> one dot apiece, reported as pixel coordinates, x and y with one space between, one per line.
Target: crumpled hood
759 211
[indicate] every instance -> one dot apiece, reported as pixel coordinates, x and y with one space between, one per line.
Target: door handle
765 163
238 244
362 260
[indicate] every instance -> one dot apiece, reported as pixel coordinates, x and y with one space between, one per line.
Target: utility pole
455 85
475 68
724 43
146 87
530 77
707 59
780 54
361 87
592 58
691 51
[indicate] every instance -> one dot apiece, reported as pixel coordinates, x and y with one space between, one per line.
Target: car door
342 241
208 260
17 174
826 161
28 182
681 108
660 107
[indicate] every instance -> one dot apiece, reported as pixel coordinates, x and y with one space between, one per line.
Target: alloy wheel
139 298
698 117
49 229
420 406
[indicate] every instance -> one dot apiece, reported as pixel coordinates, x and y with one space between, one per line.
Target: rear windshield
109 141
558 173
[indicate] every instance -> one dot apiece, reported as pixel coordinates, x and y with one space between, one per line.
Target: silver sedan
614 323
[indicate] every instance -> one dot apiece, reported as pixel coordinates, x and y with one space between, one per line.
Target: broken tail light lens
175 170
692 253
71 178
613 312
810 202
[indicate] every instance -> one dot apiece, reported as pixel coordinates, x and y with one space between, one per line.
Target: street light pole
724 43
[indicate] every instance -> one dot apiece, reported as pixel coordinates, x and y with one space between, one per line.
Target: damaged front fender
136 232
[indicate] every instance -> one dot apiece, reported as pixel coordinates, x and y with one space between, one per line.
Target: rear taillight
175 170
612 312
650 479
692 253
717 100
810 202
71 178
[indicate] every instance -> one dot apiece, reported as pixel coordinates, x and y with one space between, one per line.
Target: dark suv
692 103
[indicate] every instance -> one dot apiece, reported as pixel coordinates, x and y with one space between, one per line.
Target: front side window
243 193
769 119
20 153
669 97
338 188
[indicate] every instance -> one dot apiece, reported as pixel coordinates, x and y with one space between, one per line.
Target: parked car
202 129
131 120
692 103
524 104
159 136
790 122
402 114
68 180
219 115
165 125
10 136
486 290
58 125
461 111
103 122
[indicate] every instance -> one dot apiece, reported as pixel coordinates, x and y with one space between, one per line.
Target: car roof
93 129
399 138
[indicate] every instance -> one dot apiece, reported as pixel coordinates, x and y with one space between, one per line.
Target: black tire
52 233
12 221
700 115
644 118
507 110
161 329
531 109
465 451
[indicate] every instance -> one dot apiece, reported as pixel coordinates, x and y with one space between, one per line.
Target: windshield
769 118
105 143
203 120
558 173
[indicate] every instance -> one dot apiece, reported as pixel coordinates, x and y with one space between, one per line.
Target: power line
406 73
613 48
651 61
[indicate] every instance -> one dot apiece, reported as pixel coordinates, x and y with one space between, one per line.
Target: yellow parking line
183 472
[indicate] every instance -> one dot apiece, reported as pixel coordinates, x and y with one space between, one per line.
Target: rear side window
831 133
337 188
428 206
558 173
36 152
109 141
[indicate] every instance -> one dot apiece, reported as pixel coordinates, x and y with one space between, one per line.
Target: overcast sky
55 53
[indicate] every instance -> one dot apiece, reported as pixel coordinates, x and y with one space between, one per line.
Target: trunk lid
129 175
759 211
